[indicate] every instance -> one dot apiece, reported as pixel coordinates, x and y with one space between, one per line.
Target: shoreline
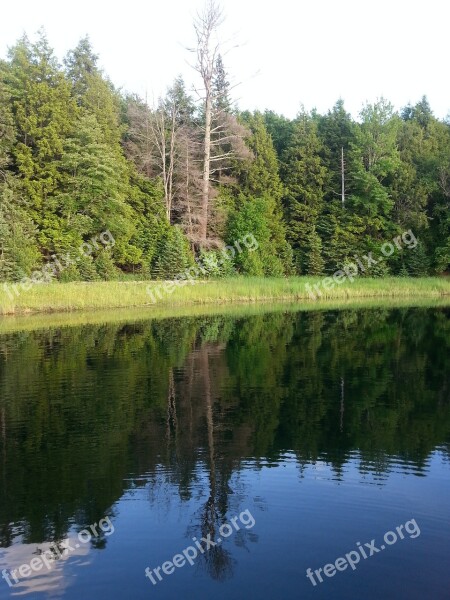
115 316
72 297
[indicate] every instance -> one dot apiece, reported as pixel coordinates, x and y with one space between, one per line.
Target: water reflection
180 409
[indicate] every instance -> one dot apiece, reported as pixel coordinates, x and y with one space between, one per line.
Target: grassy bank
67 297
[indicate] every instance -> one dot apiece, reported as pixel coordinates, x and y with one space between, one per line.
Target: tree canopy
78 157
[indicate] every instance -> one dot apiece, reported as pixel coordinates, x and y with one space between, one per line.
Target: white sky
291 52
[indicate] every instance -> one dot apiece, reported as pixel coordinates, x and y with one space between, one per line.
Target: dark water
313 431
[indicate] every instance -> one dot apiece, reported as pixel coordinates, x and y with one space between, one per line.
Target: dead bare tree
163 127
138 141
155 142
188 182
192 150
207 49
222 135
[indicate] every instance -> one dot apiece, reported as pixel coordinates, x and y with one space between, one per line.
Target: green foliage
88 269
44 114
417 261
104 265
78 158
218 264
261 190
253 218
442 257
70 273
403 271
304 176
315 262
19 254
221 87
94 183
94 92
280 130
173 255
260 173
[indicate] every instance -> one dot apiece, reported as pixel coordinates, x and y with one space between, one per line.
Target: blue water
313 431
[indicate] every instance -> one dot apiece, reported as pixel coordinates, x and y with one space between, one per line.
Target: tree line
175 182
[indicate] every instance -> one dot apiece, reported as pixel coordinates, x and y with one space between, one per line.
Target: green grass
67 297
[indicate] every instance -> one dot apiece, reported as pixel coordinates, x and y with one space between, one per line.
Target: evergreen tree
173 255
44 115
259 178
19 253
221 88
304 177
94 92
416 261
93 190
77 158
280 130
7 129
336 131
315 263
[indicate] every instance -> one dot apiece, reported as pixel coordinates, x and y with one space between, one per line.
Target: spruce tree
44 115
94 92
19 252
259 179
173 255
304 177
314 262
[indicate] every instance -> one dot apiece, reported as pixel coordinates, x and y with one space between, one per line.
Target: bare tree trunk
188 199
206 166
206 26
173 136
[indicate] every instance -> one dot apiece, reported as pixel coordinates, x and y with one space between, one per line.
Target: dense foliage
78 157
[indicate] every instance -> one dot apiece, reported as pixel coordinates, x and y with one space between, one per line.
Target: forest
176 182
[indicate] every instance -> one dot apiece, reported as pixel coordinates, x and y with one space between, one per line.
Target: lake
276 455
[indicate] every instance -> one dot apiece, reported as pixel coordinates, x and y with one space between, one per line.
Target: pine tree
314 261
7 129
94 92
173 254
280 130
417 261
336 131
221 88
94 185
104 265
304 177
259 179
19 253
44 115
403 271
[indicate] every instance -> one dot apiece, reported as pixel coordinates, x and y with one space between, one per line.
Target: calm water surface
314 431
